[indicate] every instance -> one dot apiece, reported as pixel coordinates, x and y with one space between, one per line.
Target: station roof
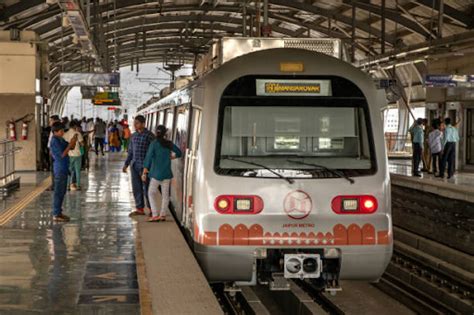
154 31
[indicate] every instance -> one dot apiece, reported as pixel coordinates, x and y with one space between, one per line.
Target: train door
180 139
190 167
470 136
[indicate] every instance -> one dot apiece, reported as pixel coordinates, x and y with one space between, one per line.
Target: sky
135 89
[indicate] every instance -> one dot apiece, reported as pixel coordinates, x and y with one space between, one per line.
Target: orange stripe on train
241 235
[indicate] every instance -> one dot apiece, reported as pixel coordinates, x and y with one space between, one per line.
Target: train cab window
297 135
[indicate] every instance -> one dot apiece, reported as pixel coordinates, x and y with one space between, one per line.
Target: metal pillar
440 18
382 37
244 20
265 18
353 32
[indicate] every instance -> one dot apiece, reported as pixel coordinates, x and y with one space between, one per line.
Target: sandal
162 218
136 212
154 219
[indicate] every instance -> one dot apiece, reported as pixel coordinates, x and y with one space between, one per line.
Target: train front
293 180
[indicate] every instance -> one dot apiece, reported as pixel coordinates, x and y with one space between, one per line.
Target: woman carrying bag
157 166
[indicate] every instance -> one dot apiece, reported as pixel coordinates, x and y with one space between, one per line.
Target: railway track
421 277
301 299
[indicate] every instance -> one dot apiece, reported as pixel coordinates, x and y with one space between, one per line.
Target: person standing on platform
75 156
139 143
157 169
60 152
426 148
52 120
114 139
417 146
451 137
126 136
435 139
99 136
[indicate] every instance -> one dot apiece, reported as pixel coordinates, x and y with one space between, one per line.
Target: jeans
449 157
436 158
140 189
417 153
60 188
75 165
153 192
99 142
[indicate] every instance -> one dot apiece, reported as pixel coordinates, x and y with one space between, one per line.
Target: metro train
285 172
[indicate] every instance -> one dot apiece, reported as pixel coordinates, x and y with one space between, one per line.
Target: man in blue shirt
139 143
451 137
417 141
59 151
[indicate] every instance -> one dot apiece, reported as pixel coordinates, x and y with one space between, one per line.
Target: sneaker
417 175
61 218
137 212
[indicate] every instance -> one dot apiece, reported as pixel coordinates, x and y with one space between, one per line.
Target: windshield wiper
330 170
289 180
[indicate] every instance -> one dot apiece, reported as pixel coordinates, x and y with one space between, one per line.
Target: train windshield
298 137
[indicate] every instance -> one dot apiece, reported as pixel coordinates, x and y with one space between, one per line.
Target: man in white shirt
435 138
75 156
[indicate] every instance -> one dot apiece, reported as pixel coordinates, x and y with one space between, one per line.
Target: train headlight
223 204
350 204
238 204
243 204
363 204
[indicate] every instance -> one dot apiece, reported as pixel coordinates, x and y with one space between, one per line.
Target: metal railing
7 162
398 146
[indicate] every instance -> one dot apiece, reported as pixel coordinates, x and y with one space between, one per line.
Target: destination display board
107 98
270 87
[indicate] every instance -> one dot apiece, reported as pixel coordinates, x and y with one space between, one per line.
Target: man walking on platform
99 135
139 143
451 137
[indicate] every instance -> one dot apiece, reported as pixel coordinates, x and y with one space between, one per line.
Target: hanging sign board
90 79
270 87
449 80
107 98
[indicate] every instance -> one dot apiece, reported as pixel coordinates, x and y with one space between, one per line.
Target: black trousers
99 142
417 152
449 157
436 161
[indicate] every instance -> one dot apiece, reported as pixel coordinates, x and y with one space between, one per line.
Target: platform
91 265
459 187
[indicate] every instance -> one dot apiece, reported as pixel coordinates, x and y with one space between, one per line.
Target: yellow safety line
13 211
146 307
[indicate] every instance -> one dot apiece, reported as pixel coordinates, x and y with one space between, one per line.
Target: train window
161 118
295 135
169 122
181 130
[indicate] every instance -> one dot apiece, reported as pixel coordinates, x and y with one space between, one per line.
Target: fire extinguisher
12 130
24 131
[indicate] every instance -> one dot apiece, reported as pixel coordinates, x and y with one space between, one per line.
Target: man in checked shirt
137 149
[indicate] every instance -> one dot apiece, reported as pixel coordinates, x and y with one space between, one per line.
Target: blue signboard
449 80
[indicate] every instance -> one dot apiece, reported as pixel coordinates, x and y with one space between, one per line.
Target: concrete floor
86 266
403 167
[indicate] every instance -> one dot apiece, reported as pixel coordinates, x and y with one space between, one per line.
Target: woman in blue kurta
157 166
